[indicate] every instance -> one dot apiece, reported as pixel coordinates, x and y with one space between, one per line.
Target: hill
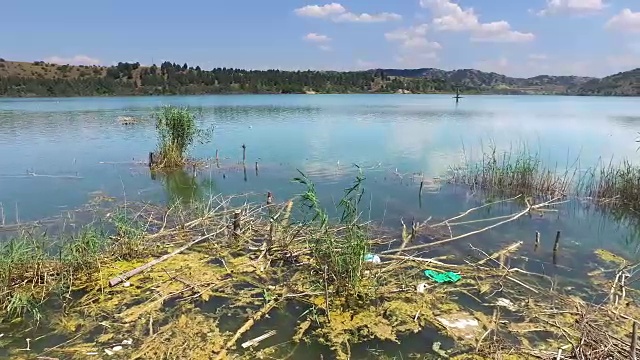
625 83
44 79
487 81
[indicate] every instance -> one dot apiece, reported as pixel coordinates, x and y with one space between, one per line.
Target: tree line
175 79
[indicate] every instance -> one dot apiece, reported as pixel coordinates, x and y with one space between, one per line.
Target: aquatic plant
615 186
340 257
514 172
177 130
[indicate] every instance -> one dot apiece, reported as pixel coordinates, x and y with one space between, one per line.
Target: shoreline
2 97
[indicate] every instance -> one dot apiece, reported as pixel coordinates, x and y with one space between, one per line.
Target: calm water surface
77 148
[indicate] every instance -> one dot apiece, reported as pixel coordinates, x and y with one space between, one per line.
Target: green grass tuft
177 131
341 255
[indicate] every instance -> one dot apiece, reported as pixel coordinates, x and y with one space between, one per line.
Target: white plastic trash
372 258
422 287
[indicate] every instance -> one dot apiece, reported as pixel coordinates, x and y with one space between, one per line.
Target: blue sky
514 37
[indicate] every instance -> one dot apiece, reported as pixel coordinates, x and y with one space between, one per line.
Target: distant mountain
491 81
622 84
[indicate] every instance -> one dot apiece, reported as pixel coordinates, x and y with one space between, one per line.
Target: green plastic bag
442 277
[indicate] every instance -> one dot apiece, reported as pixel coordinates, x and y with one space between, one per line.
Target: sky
513 37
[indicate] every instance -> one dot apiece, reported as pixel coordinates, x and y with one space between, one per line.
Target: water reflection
184 186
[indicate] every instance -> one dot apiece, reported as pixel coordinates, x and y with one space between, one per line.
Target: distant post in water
557 242
150 158
457 97
244 153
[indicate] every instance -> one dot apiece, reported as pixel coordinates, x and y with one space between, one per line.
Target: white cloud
338 13
413 38
414 46
321 11
575 7
449 16
317 38
406 33
75 60
627 20
367 18
499 31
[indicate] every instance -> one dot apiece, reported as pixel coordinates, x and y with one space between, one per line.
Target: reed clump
177 131
341 258
513 172
613 185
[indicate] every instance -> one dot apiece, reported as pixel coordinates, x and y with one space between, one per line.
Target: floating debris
461 324
127 120
372 258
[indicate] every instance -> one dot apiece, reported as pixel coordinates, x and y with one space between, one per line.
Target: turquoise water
58 153
77 148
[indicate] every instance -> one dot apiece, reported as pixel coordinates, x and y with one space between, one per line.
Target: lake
77 147
60 152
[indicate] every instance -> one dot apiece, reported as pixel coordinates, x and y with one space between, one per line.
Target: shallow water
59 153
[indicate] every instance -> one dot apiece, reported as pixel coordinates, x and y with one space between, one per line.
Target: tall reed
177 130
613 185
341 255
513 172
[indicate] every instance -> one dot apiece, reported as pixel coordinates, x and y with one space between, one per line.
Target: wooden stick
506 250
634 341
555 245
514 217
244 153
413 258
123 277
236 224
474 209
255 341
150 158
245 328
326 295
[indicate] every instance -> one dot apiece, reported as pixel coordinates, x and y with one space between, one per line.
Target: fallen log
124 277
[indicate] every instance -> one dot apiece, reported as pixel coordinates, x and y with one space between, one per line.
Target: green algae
190 305
609 257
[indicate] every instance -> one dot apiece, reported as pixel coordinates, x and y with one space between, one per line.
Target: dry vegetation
237 273
44 70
